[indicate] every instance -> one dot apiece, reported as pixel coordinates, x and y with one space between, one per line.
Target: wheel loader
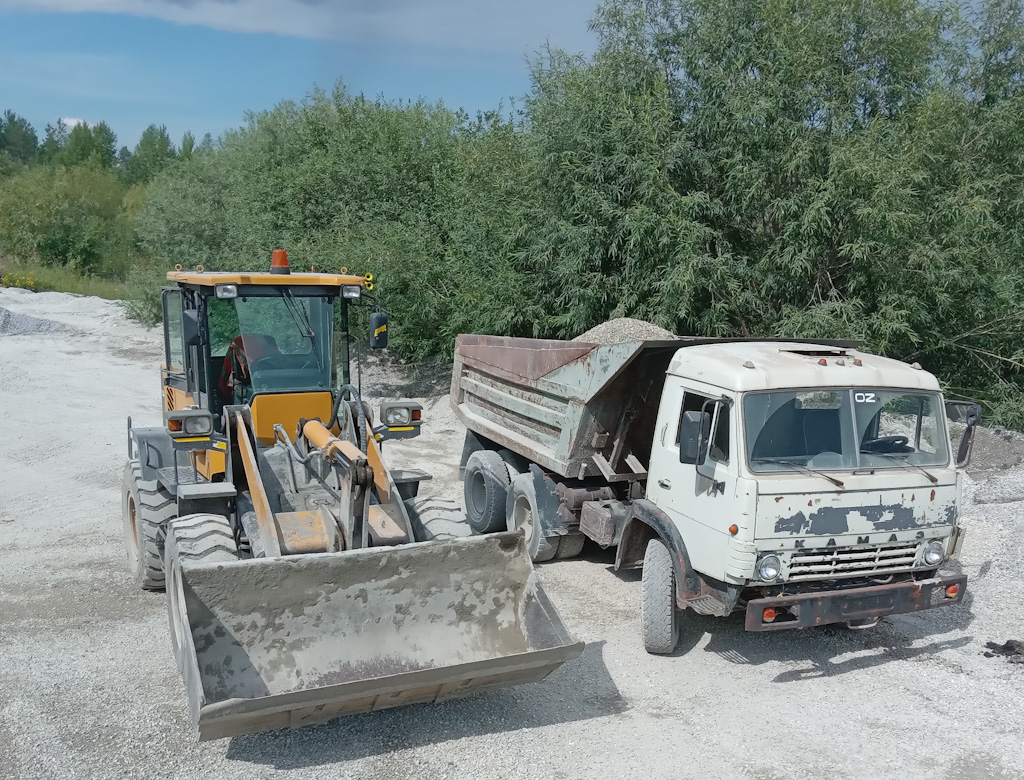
305 579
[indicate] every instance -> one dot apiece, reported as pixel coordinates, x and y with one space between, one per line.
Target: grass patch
44 278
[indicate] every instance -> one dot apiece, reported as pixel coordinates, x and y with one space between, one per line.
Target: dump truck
306 579
803 483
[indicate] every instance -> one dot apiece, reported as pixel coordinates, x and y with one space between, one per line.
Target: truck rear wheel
486 490
659 617
193 539
145 508
522 513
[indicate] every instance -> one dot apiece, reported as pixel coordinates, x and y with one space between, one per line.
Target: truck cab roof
767 365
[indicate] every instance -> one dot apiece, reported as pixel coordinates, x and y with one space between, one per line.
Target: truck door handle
664 483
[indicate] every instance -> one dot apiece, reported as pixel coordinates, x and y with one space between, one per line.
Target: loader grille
852 561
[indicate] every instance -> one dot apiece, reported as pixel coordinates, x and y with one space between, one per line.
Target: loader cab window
269 340
174 339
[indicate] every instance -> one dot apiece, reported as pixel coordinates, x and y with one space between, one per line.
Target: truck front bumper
804 610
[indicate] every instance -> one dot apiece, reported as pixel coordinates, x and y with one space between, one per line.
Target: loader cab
275 342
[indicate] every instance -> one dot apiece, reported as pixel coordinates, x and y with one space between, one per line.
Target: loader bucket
285 642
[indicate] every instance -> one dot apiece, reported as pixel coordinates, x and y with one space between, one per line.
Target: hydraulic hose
354 396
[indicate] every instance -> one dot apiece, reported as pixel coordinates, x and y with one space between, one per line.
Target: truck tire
515 463
432 517
146 507
570 545
485 487
194 539
521 511
658 614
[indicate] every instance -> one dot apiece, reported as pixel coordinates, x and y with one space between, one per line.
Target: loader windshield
844 428
270 341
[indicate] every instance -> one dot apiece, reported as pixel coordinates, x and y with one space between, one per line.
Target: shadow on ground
580 690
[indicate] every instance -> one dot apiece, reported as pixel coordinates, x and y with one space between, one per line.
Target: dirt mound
12 324
625 329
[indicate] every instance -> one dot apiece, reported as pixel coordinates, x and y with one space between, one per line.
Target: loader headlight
226 291
198 426
769 567
351 291
397 415
185 423
934 553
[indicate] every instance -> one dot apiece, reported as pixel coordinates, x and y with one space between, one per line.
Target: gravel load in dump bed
625 329
13 324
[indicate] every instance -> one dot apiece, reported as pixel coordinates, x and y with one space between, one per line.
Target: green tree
17 137
53 141
152 154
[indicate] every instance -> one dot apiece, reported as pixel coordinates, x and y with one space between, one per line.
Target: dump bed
576 408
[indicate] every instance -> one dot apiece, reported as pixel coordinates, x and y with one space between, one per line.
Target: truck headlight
769 568
934 553
397 415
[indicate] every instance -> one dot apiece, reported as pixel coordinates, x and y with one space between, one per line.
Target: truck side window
692 402
720 438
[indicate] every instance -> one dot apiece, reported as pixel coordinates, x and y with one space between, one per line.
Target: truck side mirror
190 327
694 429
970 414
378 330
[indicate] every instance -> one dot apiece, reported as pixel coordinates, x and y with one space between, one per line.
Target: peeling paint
834 521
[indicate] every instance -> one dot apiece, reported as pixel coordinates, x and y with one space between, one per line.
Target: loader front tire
192 539
146 507
433 517
521 512
486 489
659 617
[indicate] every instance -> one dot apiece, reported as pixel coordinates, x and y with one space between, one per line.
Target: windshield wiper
299 315
805 469
902 463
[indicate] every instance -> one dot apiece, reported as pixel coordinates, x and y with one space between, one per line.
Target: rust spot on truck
830 521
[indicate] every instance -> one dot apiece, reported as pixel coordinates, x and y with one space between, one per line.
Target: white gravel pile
624 330
12 324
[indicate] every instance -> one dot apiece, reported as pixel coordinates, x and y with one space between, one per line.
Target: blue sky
199 65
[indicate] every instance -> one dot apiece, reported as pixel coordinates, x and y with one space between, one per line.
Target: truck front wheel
658 614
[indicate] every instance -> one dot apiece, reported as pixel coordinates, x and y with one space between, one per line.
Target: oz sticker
864 398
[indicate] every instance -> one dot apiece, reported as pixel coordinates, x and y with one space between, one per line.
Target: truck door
700 504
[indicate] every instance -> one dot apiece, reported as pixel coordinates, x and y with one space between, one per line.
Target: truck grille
852 561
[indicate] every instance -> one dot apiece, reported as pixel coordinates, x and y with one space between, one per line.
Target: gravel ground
88 688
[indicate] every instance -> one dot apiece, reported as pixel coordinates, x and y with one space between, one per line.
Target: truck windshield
276 341
844 428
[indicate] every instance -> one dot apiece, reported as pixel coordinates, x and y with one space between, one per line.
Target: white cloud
71 121
500 26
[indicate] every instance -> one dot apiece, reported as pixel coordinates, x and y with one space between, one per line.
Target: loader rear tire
146 507
192 539
659 617
485 488
521 511
433 517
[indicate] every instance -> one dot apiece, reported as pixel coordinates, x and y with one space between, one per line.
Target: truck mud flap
837 606
285 642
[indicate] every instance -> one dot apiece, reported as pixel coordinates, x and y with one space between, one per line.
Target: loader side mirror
378 330
190 327
694 430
